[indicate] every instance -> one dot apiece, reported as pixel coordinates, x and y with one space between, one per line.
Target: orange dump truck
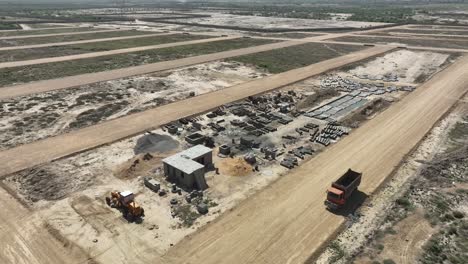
342 189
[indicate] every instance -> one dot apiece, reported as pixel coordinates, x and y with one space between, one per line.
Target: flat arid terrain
201 132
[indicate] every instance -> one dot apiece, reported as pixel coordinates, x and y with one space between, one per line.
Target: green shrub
458 214
404 202
389 261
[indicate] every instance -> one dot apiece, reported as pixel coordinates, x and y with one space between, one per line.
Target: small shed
188 167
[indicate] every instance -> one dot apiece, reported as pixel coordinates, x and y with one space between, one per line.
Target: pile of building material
289 162
332 131
338 108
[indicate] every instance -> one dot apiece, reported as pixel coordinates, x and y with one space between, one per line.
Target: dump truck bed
348 182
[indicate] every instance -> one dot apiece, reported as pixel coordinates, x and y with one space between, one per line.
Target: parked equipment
125 201
342 189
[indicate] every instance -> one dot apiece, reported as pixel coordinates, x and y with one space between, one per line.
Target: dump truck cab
335 196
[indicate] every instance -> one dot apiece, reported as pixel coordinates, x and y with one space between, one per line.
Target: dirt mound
234 167
140 165
155 143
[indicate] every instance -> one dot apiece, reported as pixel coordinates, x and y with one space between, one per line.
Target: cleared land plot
408 66
29 118
276 61
256 22
57 51
66 38
451 44
47 71
45 31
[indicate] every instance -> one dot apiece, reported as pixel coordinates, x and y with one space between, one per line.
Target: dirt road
434 36
411 36
25 240
107 53
329 39
395 46
60 34
35 29
461 29
287 221
81 41
53 148
77 80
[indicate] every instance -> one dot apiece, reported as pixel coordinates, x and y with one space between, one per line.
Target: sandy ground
83 217
273 22
57 112
107 53
406 245
277 226
25 240
406 64
369 218
129 125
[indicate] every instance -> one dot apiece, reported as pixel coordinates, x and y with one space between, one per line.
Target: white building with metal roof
188 167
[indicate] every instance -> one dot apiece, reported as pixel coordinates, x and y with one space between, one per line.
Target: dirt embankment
317 97
372 108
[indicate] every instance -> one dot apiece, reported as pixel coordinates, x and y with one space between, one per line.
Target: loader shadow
354 202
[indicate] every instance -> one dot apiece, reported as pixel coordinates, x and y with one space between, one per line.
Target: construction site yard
70 192
199 135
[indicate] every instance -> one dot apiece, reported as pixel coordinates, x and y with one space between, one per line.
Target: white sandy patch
408 65
274 22
25 27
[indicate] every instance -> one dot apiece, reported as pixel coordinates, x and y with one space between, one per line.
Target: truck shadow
354 202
